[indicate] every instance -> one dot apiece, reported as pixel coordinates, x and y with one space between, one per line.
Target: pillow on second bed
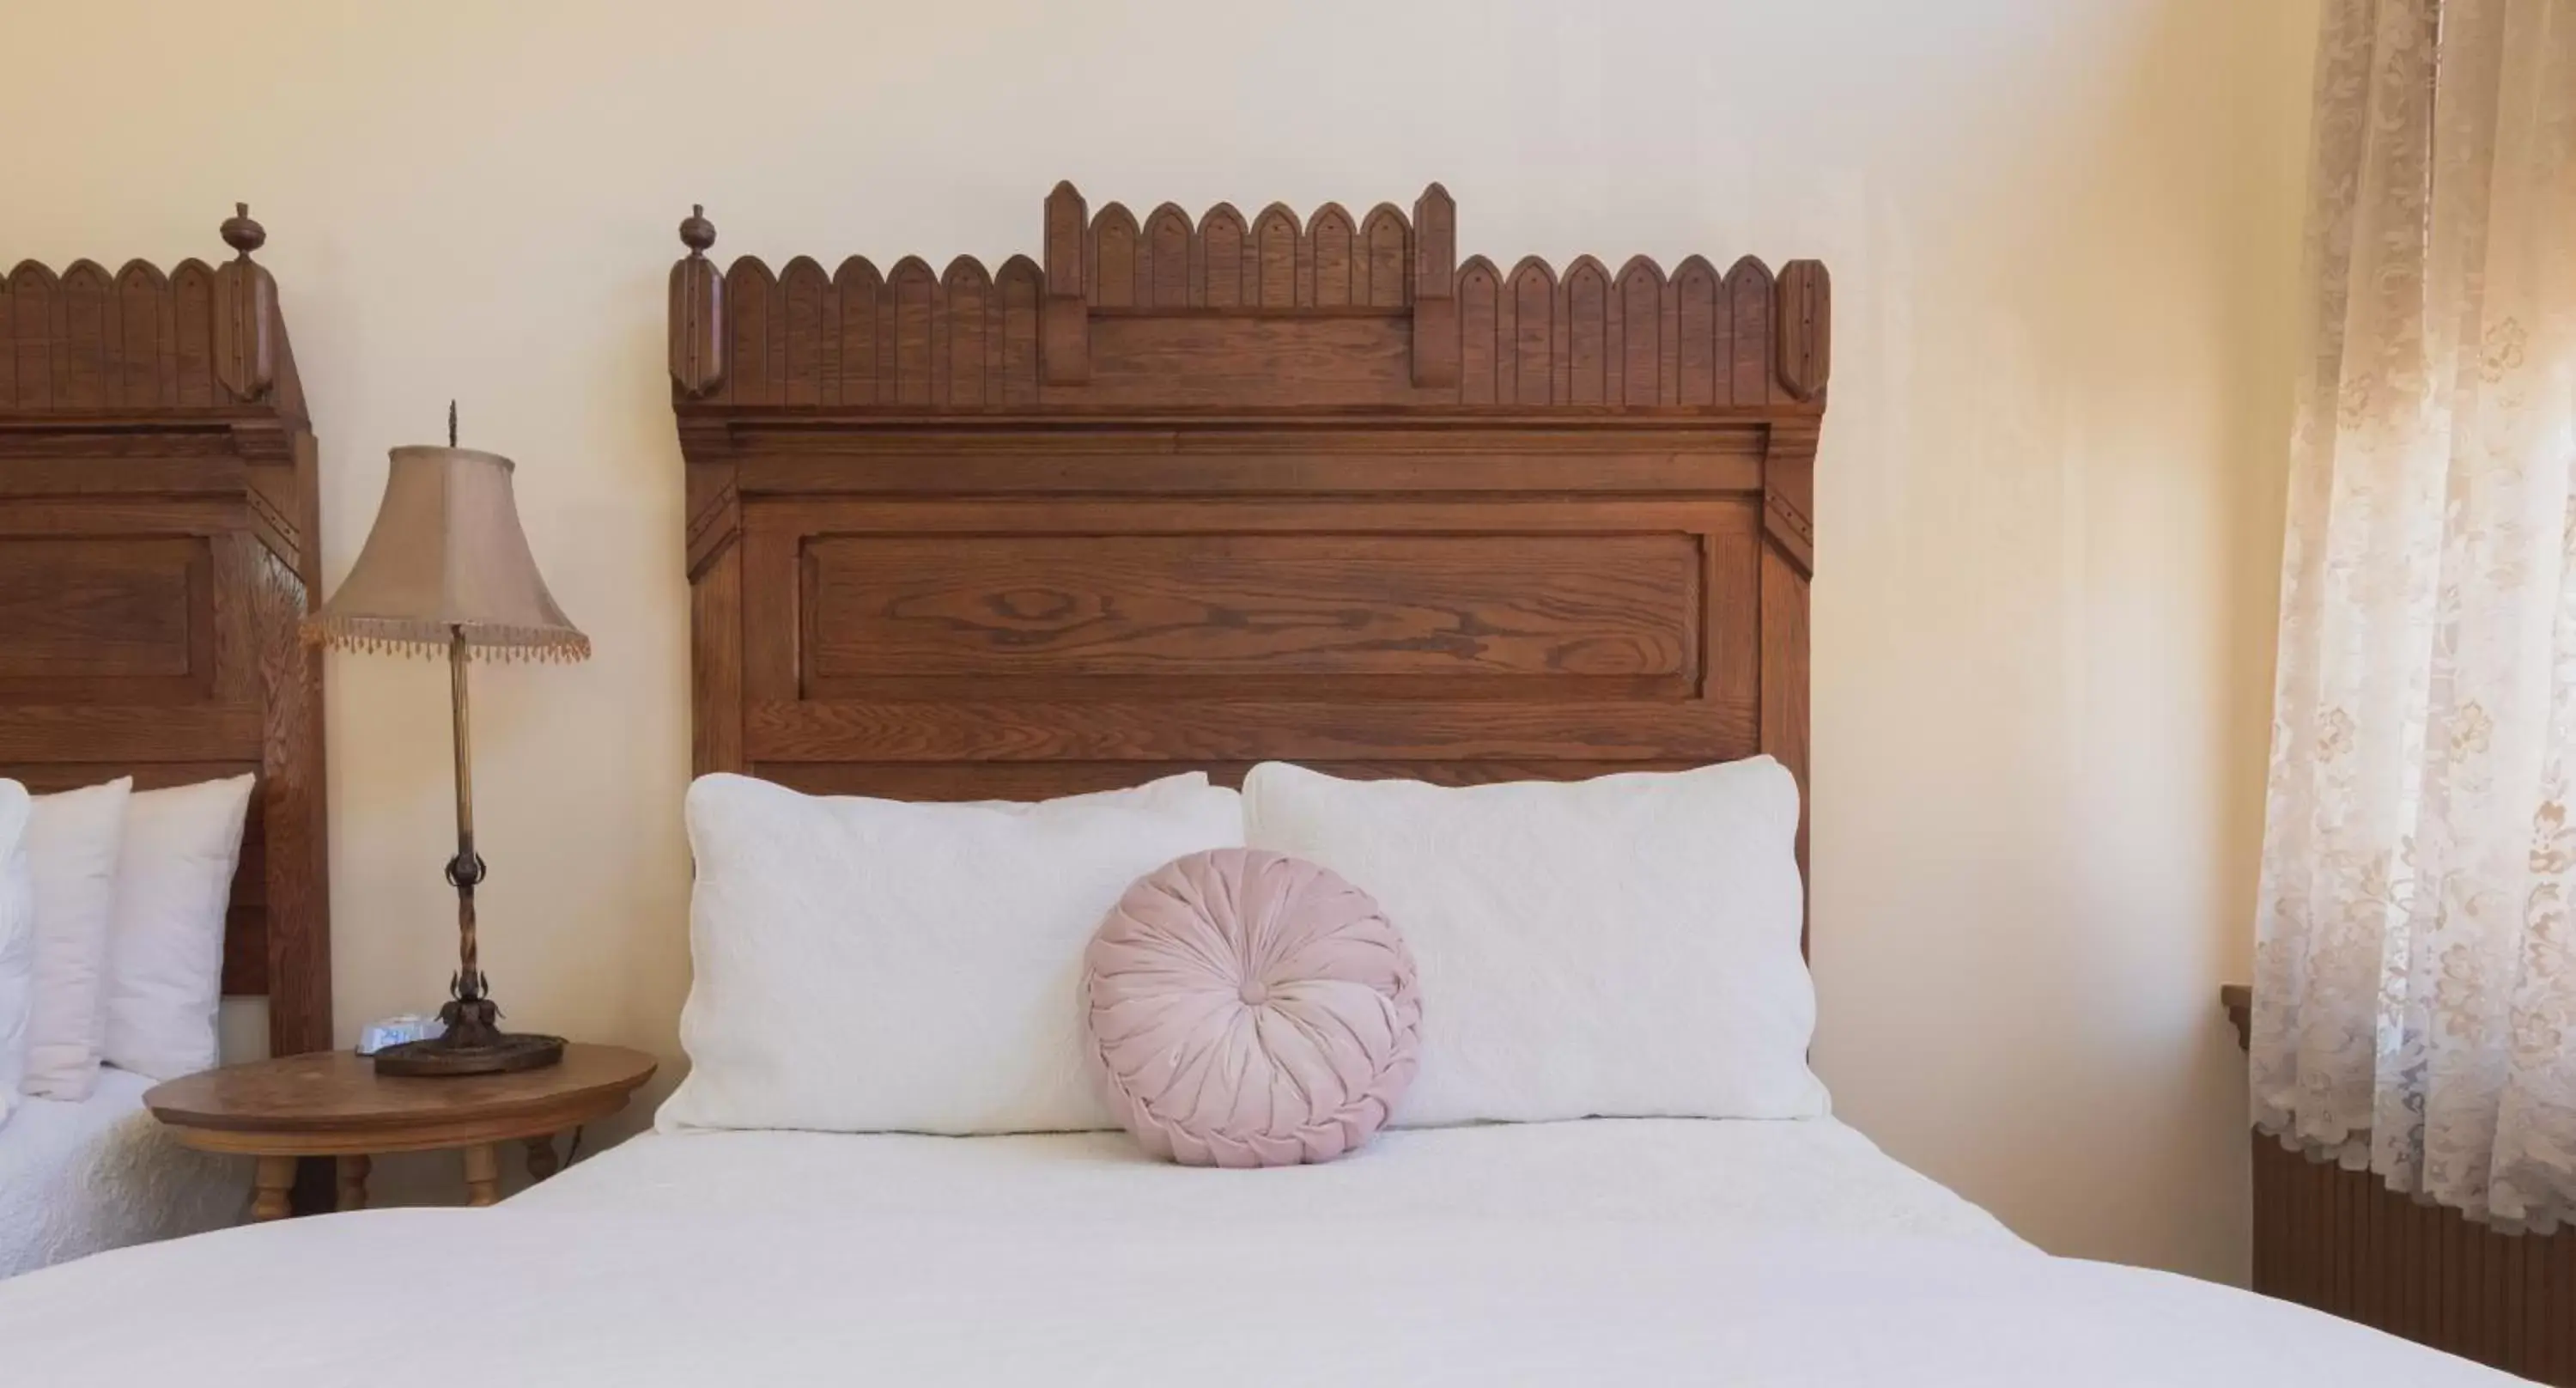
1620 947
882 966
73 839
165 942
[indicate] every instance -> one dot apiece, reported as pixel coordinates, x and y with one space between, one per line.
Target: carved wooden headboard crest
158 539
1199 492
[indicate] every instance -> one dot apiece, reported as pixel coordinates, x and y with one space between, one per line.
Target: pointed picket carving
1019 291
1528 326
1325 274
970 339
750 302
192 306
1115 254
81 326
1703 336
1217 269
1163 272
1748 292
1480 354
1276 240
148 368
1383 278
31 302
961 369
1639 353
864 345
1585 310
802 288
912 302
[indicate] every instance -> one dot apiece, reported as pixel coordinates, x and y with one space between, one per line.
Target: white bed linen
1803 1176
99 1173
791 1259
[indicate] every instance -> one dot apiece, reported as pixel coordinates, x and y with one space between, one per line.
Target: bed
1603 1251
1189 494
157 542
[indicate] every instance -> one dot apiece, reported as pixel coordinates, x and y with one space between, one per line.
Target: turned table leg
482 1175
353 1182
541 1158
274 1184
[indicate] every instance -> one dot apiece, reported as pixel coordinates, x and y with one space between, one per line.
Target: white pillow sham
17 940
165 948
73 840
1620 947
881 966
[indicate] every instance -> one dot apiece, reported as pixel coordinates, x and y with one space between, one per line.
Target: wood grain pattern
1198 492
102 613
1426 616
85 341
156 553
332 1104
339 1093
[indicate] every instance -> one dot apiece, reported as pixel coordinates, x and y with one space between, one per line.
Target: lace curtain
2415 987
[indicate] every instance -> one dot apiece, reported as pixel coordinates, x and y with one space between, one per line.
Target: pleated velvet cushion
1250 1009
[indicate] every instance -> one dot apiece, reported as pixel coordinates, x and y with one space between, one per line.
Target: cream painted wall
2062 236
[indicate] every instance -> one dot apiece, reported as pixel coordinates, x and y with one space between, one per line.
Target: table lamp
446 571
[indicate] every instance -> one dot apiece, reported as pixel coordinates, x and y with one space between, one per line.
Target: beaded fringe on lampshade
485 643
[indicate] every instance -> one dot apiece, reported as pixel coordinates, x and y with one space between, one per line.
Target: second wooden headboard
159 536
1199 493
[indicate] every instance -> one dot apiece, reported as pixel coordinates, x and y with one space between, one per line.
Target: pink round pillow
1250 1009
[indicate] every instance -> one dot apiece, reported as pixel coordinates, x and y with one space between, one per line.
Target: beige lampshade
446 557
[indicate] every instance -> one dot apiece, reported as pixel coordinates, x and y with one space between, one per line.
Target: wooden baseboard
2344 1243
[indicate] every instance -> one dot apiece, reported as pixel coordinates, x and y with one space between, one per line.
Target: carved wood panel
1210 594
84 615
1398 615
1176 312
85 340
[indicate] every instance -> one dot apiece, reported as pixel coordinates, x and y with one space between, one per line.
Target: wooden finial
696 232
451 424
243 234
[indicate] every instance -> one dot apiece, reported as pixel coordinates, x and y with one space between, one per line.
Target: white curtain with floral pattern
2415 987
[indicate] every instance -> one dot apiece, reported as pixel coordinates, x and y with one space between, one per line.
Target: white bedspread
1577 1254
1807 1176
79 1177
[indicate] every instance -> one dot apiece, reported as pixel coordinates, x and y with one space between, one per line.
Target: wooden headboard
1200 492
158 537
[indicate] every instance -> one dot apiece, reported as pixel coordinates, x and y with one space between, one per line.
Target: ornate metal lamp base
494 1054
473 1044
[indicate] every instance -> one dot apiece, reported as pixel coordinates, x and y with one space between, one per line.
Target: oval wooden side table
334 1104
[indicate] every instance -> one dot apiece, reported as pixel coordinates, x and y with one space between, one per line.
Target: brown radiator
2344 1243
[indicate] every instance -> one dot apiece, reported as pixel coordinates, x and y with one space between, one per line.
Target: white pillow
17 940
875 965
165 941
72 844
1620 947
